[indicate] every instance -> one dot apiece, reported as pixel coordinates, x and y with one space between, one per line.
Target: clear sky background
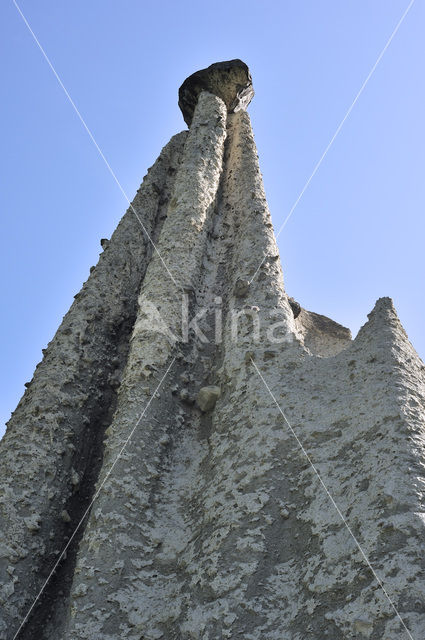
356 234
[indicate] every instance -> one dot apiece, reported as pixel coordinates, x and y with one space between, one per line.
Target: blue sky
356 234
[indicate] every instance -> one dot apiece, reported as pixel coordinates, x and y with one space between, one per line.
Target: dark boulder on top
231 81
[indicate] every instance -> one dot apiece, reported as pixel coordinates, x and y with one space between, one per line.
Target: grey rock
321 335
231 81
295 306
32 523
207 398
185 396
241 288
213 524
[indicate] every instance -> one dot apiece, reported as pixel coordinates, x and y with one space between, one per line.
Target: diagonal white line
379 581
94 498
94 141
341 124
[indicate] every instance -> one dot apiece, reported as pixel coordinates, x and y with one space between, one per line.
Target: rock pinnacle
199 456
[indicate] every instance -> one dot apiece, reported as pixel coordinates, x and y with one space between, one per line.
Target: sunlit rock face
215 461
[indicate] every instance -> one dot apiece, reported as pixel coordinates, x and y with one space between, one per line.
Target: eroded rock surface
243 466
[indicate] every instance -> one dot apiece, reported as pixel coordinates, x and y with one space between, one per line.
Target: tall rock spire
196 455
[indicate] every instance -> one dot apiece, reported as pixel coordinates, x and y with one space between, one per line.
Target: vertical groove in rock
115 529
52 450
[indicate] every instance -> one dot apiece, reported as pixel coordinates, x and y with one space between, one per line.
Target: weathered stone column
116 533
256 475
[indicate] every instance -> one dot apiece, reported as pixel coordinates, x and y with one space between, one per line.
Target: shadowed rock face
186 461
231 81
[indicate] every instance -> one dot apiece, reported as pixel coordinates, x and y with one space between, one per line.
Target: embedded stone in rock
33 523
231 81
65 516
186 397
241 288
207 397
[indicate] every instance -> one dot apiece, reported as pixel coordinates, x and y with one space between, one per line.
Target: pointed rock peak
383 324
231 81
383 306
383 314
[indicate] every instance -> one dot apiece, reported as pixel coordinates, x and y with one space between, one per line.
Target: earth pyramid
199 457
